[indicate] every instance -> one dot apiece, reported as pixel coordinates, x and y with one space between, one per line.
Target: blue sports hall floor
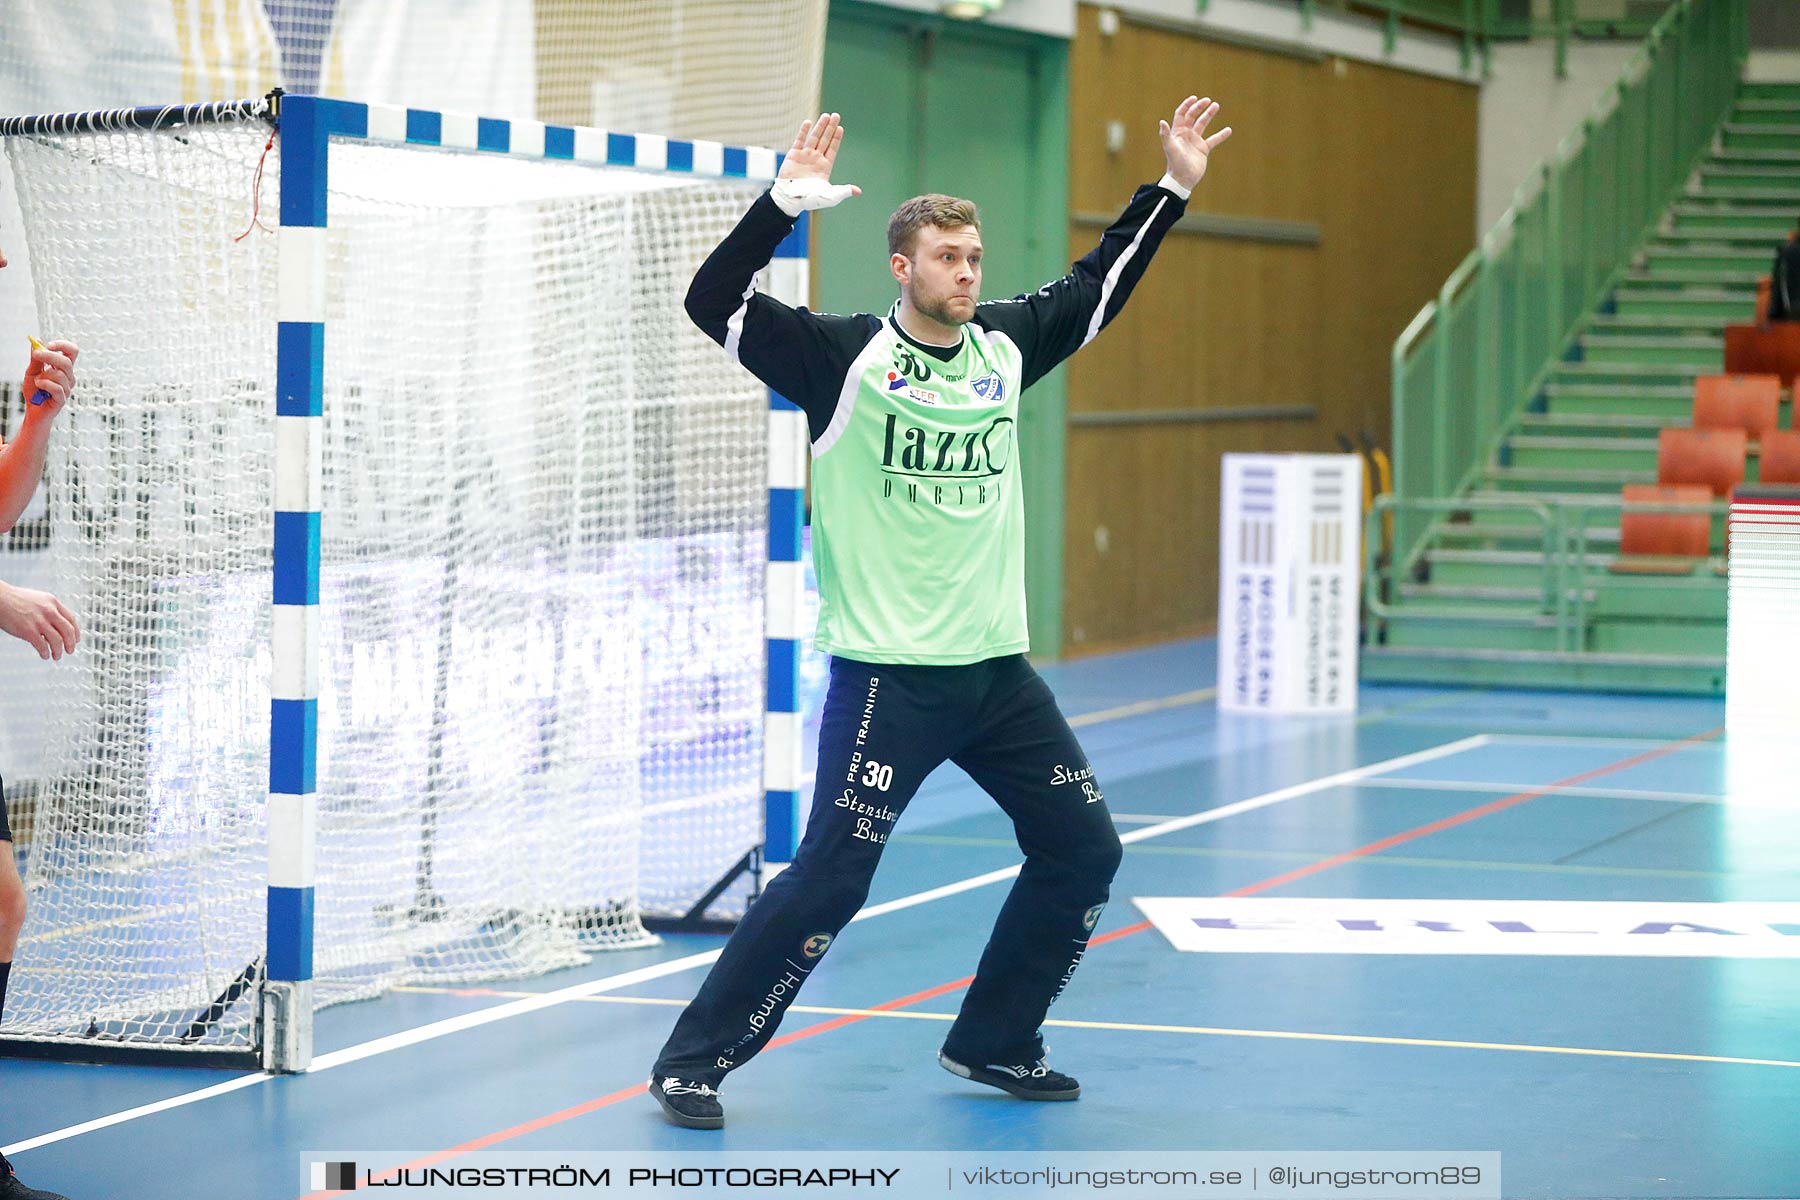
1456 833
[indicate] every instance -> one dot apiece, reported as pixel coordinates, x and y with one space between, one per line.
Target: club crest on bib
990 388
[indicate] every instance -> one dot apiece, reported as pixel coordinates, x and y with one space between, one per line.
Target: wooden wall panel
1381 161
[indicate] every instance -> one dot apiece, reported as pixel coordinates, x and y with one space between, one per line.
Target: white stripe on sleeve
1118 269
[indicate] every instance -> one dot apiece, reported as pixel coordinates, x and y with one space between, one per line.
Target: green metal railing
1503 321
1564 583
1495 19
1479 21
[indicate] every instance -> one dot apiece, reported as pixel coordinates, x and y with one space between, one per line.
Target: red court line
638 1089
482 1143
1324 864
1462 818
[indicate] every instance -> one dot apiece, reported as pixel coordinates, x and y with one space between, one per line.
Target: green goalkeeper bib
917 513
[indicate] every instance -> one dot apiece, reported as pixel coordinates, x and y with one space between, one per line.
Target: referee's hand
39 620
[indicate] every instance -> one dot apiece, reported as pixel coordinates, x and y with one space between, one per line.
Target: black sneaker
12 1189
1027 1081
688 1102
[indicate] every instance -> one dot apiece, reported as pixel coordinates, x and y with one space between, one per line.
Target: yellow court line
1201 1030
1421 705
138 918
1202 695
1515 1047
1138 709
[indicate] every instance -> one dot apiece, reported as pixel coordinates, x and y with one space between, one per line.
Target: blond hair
945 212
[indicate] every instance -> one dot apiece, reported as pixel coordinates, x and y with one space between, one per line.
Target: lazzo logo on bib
948 454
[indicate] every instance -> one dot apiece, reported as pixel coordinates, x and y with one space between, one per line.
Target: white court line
132 1114
1203 817
1306 789
501 1012
1550 789
1095 718
382 1045
901 1014
1082 720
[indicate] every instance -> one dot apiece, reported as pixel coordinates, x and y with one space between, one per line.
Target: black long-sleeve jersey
918 523
804 355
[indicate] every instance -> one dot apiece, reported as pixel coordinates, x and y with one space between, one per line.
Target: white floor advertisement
1671 929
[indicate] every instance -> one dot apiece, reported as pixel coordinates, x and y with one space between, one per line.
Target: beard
939 309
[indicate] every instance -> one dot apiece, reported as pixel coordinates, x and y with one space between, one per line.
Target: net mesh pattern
543 546
737 72
743 74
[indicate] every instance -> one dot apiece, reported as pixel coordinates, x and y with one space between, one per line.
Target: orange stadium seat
1713 458
1780 458
1648 540
1748 402
1772 349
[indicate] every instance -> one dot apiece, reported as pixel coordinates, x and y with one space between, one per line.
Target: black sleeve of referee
1061 317
802 355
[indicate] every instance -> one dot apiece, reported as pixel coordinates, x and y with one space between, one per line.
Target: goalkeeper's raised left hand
805 179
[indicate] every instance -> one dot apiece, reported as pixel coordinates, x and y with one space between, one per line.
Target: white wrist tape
794 196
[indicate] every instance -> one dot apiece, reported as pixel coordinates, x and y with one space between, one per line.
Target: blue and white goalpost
523 528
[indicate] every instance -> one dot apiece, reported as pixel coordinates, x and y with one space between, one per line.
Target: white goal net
543 548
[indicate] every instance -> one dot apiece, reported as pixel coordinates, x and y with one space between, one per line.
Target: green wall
931 105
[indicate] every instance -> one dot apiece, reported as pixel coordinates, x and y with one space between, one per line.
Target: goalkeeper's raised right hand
805 179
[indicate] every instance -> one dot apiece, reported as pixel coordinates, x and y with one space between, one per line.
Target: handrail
1415 328
1562 576
1465 271
1477 22
1373 576
1576 559
1480 350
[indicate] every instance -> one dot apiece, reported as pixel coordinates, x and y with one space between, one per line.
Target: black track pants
885 728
